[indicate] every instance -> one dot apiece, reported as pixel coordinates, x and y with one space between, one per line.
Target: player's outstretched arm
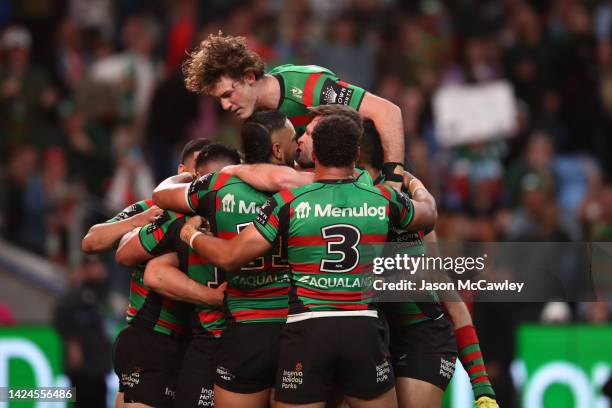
105 236
170 194
164 277
131 252
229 254
269 177
387 118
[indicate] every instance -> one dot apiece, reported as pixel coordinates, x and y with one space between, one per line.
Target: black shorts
248 356
196 380
321 355
147 364
426 351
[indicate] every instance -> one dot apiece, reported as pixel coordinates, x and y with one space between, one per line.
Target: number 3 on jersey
342 240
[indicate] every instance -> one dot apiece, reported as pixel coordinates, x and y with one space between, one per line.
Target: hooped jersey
162 236
146 307
230 205
334 230
303 86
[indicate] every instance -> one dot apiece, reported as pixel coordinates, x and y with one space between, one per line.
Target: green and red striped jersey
146 307
310 85
163 235
407 313
334 229
230 205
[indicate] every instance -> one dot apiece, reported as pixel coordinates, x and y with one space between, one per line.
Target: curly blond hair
220 55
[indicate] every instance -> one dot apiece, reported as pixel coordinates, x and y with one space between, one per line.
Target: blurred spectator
78 319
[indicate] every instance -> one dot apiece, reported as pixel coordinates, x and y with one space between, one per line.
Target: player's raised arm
269 177
104 236
420 212
387 118
229 254
163 276
170 194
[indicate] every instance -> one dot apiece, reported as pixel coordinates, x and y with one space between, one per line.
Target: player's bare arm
387 118
170 193
104 236
163 276
229 254
131 252
425 211
269 177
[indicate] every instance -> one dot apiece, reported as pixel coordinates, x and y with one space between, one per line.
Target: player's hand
486 402
216 299
146 217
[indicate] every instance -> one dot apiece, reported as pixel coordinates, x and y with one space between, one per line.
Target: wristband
391 172
193 237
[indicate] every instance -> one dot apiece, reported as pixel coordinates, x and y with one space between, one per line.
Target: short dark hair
371 151
256 135
193 146
335 141
336 109
217 151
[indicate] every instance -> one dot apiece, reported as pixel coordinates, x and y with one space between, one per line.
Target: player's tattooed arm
229 254
105 236
387 118
163 276
131 252
170 193
269 177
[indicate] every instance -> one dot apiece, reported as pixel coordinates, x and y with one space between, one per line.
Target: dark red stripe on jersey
274 221
287 195
309 240
301 120
218 203
421 234
195 259
403 214
226 234
169 325
342 83
194 200
221 180
149 203
216 332
259 292
132 311
209 317
309 87
384 191
141 290
333 295
259 314
158 234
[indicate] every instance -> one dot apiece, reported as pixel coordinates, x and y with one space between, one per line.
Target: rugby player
225 68
160 322
422 344
182 275
257 302
332 337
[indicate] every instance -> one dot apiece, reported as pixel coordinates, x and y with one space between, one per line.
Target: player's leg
308 405
365 373
387 399
246 368
119 400
196 379
413 393
136 405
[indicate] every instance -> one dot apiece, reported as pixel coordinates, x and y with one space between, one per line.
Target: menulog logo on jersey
228 204
303 211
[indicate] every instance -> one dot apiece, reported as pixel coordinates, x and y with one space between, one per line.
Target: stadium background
93 113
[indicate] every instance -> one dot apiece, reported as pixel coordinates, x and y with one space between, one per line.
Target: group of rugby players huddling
251 284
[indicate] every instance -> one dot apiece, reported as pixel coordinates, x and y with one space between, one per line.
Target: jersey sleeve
198 189
327 89
159 236
267 221
132 210
402 206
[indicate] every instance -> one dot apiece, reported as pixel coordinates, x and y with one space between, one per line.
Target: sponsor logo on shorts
225 374
447 367
207 397
293 379
170 393
383 372
131 379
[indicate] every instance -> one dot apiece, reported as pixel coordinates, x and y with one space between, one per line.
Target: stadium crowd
94 112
